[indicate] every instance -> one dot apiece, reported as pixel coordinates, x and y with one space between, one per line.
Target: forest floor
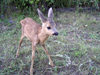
75 51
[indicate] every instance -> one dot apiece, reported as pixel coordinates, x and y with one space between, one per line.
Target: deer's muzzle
56 33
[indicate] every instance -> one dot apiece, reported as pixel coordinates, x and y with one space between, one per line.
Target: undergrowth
75 51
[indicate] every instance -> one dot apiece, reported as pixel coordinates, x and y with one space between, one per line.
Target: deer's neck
42 36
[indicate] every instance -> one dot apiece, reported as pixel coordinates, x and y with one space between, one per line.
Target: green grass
75 49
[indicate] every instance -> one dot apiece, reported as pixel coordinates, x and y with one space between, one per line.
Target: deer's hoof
31 71
17 55
51 63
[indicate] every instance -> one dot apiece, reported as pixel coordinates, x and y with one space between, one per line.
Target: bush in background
27 5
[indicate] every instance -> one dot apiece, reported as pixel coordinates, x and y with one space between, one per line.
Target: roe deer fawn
38 34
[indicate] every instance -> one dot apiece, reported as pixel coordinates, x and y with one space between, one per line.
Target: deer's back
30 28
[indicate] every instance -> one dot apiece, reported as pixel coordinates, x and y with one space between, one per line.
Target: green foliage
29 5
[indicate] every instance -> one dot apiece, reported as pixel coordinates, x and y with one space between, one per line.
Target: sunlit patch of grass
85 19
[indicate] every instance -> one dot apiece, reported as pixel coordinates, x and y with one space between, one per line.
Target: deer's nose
56 33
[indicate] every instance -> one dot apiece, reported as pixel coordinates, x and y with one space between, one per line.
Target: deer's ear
23 22
50 13
41 16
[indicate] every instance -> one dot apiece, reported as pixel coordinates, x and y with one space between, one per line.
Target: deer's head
48 24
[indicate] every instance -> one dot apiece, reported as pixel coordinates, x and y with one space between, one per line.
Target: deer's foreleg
46 51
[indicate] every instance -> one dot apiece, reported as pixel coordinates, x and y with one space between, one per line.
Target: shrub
45 4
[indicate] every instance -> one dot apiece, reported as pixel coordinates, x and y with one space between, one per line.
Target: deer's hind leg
20 42
33 57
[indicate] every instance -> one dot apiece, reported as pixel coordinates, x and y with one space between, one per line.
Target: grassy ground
76 51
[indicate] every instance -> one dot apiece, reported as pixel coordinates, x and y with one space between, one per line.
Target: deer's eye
48 27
